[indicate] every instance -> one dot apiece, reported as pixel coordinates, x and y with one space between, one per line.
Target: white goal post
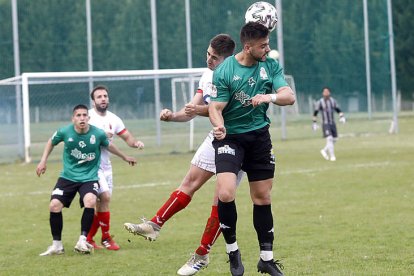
26 80
188 86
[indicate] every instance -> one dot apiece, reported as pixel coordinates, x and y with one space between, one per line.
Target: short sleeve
103 138
220 90
57 137
278 79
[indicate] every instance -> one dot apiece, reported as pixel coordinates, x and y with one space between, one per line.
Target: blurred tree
45 30
403 14
323 40
6 40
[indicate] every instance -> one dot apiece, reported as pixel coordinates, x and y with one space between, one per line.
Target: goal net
34 105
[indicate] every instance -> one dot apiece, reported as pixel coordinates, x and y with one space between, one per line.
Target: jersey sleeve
205 86
104 141
119 126
278 79
220 90
57 137
335 106
317 108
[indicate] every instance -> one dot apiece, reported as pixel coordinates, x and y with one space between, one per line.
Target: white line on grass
361 165
122 187
153 184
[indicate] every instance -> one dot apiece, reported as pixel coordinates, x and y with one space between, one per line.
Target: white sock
330 145
57 244
266 255
82 238
231 247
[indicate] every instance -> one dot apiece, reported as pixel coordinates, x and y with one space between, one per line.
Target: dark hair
252 31
223 44
326 87
79 106
99 87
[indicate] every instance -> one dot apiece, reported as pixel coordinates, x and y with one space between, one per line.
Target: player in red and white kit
112 125
202 166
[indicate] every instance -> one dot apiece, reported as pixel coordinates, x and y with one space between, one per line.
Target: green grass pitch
354 216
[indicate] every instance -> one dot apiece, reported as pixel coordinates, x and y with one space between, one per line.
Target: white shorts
105 181
204 158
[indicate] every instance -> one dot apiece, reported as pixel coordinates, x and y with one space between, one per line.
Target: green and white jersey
237 84
81 153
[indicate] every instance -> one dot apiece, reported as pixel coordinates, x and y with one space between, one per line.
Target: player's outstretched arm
196 107
131 141
192 109
179 116
114 150
41 167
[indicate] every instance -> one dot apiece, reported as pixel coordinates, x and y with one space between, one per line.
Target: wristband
273 98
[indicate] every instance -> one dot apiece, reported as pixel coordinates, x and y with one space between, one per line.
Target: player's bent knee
262 199
226 196
55 206
190 186
105 197
89 200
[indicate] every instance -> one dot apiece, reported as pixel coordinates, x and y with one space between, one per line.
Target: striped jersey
327 108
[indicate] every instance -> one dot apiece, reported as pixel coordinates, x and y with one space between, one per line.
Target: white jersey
111 124
205 85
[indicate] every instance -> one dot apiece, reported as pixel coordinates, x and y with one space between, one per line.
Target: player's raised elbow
286 96
291 99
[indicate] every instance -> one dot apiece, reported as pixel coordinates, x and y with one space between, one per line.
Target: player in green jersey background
81 157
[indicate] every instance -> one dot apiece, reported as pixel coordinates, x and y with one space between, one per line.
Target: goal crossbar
29 78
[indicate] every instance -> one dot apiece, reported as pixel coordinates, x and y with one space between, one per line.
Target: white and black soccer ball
263 13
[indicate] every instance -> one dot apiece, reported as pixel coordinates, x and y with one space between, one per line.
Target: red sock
211 232
104 218
94 228
177 201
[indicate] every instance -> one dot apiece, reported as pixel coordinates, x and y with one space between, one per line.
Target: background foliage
324 39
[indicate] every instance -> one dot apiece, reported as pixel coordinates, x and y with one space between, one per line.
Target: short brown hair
223 44
99 87
252 31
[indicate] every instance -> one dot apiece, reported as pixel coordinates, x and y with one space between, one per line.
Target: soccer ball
263 13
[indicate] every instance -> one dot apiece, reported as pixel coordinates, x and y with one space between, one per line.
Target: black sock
56 225
263 223
228 218
86 221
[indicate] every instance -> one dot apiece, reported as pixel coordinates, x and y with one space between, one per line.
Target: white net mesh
47 100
